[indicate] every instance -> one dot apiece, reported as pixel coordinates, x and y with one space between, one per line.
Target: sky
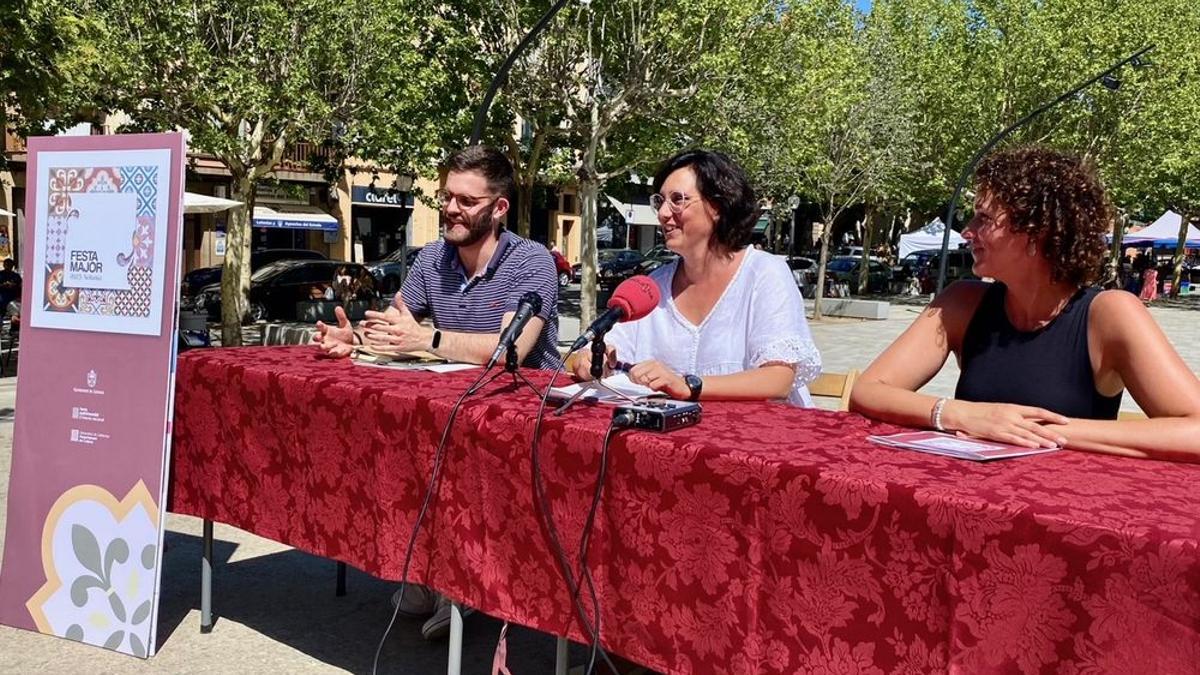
863 5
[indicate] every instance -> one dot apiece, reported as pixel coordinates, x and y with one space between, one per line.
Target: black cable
585 537
542 504
430 490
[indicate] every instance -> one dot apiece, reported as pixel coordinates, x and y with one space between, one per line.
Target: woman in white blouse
730 323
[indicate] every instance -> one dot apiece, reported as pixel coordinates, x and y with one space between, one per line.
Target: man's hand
1014 424
660 378
336 341
396 330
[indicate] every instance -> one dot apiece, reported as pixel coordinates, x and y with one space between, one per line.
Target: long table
766 539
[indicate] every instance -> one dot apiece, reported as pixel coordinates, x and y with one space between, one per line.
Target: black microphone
527 308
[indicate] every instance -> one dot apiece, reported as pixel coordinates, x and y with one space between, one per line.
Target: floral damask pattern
767 539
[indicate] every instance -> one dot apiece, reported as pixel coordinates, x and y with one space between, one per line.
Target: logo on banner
91 379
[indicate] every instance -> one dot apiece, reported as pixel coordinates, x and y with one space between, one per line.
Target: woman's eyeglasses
678 201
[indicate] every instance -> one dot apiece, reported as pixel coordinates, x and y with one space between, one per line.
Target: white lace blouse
759 319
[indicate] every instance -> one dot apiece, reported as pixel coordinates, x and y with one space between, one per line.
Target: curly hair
1057 199
723 184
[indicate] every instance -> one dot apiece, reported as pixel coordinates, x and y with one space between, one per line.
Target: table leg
560 656
206 558
454 666
341 579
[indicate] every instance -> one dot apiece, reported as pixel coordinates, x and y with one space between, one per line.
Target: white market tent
1162 232
196 203
927 238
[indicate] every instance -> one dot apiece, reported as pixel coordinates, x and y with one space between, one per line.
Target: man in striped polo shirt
469 283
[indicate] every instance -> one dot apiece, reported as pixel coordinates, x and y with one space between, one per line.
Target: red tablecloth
766 539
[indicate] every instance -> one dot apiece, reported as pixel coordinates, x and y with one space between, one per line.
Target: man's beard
477 228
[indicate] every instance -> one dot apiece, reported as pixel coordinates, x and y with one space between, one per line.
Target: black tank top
1049 368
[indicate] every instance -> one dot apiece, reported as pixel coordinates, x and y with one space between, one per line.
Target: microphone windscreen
636 297
533 300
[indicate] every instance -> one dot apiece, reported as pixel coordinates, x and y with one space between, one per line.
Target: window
568 203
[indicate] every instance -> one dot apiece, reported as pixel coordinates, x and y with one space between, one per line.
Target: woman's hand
580 364
660 378
1013 424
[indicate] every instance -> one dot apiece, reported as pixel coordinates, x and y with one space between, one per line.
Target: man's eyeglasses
678 201
465 202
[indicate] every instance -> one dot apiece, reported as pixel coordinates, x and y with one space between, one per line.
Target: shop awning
635 214
197 203
295 218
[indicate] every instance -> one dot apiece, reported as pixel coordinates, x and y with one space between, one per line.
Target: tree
824 108
248 78
615 85
1159 149
51 73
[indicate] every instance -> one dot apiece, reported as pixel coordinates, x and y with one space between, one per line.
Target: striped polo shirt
437 287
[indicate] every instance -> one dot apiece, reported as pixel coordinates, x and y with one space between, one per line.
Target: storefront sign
368 196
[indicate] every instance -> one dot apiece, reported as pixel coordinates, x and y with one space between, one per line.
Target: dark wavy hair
1058 200
723 184
486 161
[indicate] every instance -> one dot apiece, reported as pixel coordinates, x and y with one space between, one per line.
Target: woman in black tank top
1045 356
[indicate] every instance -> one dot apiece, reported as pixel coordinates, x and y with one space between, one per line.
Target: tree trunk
589 195
826 235
864 275
524 207
1118 237
235 275
1180 245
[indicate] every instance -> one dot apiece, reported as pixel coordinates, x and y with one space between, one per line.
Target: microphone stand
511 367
599 352
970 167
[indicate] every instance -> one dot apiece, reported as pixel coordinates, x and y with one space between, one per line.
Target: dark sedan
846 270
275 290
206 276
617 265
387 270
614 265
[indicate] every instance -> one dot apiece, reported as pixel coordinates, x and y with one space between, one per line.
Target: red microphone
633 299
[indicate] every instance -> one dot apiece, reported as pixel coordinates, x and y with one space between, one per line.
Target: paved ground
276 606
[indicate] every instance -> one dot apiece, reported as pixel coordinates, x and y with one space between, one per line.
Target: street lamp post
502 73
1105 77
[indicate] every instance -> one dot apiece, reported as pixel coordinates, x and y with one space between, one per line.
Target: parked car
205 276
662 253
804 271
563 268
614 265
617 265
847 269
276 288
387 271
923 266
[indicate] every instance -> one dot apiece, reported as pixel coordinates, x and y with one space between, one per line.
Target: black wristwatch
694 384
437 339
